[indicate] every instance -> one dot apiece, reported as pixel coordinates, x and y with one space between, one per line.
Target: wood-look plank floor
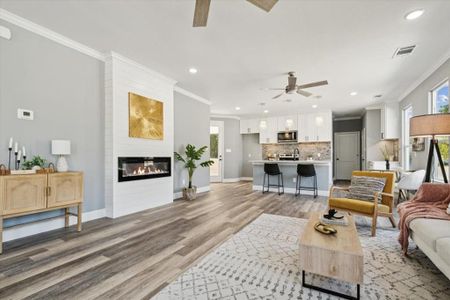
135 256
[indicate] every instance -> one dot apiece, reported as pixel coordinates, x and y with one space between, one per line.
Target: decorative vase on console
386 156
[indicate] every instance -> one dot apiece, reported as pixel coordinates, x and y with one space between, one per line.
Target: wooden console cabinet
29 194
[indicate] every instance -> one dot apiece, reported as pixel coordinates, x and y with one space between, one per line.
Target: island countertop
324 171
292 162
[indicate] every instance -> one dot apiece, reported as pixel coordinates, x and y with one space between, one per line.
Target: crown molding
49 34
133 63
224 117
191 95
425 75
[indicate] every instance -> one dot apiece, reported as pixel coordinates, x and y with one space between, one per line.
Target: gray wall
347 125
191 126
418 98
232 141
65 89
251 150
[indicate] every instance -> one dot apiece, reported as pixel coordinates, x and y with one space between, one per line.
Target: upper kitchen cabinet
249 126
268 130
388 121
315 127
287 123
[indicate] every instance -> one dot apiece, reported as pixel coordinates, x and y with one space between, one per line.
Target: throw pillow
364 187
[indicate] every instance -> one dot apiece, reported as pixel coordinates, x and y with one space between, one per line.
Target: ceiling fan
292 86
202 9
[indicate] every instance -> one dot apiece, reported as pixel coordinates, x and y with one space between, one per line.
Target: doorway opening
216 135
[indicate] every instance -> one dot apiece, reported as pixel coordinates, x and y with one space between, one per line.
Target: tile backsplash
307 150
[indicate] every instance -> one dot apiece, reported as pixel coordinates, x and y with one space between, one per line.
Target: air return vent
404 51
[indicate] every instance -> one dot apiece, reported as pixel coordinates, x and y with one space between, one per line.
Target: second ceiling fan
292 86
202 9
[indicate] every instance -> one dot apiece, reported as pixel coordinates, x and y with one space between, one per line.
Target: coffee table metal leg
323 290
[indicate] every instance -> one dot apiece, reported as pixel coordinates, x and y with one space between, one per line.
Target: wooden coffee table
338 256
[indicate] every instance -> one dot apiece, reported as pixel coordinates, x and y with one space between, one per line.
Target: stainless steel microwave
287 136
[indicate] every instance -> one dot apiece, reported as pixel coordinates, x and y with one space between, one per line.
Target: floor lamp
433 125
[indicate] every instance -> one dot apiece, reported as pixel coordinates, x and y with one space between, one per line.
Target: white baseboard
202 189
36 227
247 178
228 180
291 191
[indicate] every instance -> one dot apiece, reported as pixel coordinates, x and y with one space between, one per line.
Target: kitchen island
289 168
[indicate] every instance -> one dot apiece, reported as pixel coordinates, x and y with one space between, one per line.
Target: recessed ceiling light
237 108
414 14
314 106
193 70
353 93
266 111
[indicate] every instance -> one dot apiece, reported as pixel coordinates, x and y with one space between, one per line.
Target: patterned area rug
261 262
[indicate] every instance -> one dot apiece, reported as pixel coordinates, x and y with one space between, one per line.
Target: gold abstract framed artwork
146 117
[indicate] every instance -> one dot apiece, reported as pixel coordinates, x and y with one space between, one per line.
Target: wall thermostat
25 114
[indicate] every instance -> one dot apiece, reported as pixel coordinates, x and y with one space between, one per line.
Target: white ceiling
244 49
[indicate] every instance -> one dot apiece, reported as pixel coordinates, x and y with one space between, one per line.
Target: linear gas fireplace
137 168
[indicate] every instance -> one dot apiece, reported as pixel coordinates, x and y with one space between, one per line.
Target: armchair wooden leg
391 218
374 224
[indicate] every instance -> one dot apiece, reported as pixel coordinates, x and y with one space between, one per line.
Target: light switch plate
25 114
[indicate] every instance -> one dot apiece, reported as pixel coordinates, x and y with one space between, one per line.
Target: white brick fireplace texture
121 77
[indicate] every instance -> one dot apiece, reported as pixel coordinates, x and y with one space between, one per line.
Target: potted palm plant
192 155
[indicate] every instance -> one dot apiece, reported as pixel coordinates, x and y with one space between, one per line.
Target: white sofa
432 236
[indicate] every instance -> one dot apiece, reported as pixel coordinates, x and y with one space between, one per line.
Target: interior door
347 157
216 135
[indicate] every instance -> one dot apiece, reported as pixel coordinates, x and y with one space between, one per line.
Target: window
407 114
439 105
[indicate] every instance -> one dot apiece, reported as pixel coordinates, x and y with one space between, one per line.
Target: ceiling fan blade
304 93
201 13
264 4
275 89
278 96
313 84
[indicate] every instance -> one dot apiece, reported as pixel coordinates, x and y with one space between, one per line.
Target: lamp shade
430 125
60 147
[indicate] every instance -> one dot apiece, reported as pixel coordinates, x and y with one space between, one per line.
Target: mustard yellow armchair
367 208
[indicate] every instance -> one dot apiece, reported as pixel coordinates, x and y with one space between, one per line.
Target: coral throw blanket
431 201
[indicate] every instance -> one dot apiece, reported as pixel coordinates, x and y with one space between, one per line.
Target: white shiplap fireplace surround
121 77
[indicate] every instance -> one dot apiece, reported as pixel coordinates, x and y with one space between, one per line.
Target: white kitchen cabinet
390 121
287 123
249 126
315 127
268 130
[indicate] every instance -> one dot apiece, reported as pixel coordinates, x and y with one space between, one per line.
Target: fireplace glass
137 168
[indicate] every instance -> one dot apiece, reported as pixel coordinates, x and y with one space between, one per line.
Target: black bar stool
305 171
272 170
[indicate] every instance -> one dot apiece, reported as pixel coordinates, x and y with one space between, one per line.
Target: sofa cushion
430 230
365 207
364 187
443 249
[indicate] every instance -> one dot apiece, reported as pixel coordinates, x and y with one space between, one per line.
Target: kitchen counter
323 168
292 162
